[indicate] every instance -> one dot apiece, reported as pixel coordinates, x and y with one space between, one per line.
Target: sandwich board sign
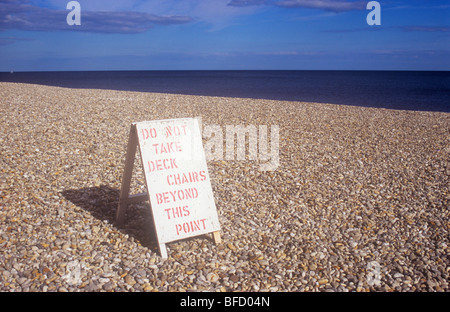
176 175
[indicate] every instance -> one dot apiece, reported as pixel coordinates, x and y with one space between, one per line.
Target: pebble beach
359 202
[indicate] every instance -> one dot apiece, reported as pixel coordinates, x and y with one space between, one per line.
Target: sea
405 90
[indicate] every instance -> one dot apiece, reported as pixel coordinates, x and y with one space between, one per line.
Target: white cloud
134 16
215 13
108 15
327 5
23 15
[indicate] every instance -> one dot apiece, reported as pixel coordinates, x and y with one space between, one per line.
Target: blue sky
224 34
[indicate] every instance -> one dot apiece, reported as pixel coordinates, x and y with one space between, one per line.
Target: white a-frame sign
177 179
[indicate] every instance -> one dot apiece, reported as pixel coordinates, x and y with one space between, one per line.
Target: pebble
359 201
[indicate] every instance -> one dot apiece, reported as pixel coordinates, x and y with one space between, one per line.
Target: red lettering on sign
177 212
175 130
167 147
191 226
174 196
162 164
149 133
186 177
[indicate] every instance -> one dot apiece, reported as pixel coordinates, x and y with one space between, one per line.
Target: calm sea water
411 90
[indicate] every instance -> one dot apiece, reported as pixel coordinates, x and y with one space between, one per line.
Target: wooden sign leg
216 237
163 251
127 174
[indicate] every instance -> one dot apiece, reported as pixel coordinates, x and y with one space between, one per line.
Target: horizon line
224 70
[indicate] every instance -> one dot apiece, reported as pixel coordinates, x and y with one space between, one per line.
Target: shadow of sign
101 202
